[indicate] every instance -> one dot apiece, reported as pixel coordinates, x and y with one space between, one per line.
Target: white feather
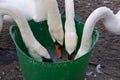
40 10
110 21
35 49
70 30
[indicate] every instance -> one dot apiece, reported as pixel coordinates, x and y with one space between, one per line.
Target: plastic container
34 70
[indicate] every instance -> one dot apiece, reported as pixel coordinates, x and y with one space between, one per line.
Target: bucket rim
96 38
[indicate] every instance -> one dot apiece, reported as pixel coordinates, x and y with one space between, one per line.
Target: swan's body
35 49
31 9
70 30
110 21
40 10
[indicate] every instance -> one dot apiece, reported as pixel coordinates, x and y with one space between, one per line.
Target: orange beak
58 50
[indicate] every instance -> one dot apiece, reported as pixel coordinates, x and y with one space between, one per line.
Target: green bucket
34 70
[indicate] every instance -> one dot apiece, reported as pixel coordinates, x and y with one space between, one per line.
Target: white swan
55 25
40 10
35 49
31 9
110 21
70 30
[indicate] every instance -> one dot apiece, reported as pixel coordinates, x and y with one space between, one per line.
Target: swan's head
70 38
70 45
70 56
43 58
39 53
46 59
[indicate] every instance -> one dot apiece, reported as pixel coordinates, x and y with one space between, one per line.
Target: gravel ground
106 53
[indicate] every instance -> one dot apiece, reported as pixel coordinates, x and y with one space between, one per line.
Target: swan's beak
46 60
70 57
58 50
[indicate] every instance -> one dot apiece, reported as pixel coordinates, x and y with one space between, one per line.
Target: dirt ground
106 52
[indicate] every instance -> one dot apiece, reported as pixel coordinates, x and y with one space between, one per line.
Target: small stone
90 73
3 73
98 68
106 2
95 75
0 78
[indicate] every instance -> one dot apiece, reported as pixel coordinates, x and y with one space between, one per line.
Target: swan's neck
54 21
20 20
53 14
108 18
69 10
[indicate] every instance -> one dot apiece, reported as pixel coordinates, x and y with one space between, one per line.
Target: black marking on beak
70 57
46 60
61 47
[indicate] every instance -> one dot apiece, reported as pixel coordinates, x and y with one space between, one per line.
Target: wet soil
106 53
